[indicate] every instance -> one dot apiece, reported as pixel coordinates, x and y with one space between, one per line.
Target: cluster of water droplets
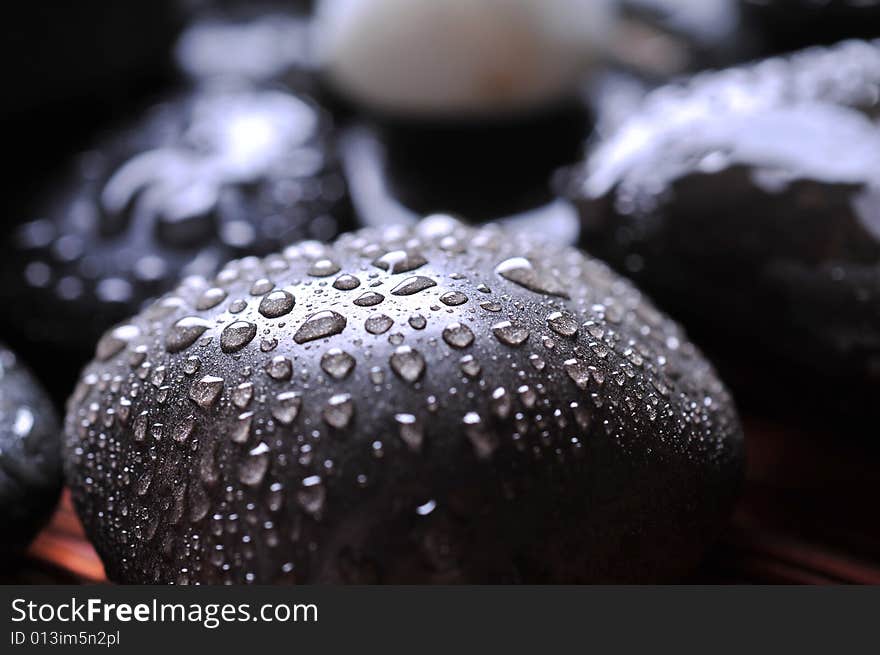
228 404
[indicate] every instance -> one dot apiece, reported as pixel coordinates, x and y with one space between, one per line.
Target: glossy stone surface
205 176
30 457
747 202
433 403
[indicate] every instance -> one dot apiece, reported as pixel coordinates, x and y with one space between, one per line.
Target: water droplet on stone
279 368
562 324
157 430
368 299
339 410
261 287
286 407
123 410
520 270
323 268
184 429
242 394
527 396
237 335
410 430
412 285
400 261
483 441
337 363
253 468
581 415
205 391
143 483
115 340
320 325
491 306
453 298
185 332
277 303
210 298
241 430
199 504
346 283
458 335
311 496
470 366
378 324
377 375
191 365
595 330
141 423
510 334
407 363
578 372
158 377
501 403
137 356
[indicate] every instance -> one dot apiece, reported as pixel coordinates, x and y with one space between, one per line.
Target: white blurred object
260 48
454 57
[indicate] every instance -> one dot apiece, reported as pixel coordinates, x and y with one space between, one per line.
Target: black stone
747 202
205 176
509 411
30 457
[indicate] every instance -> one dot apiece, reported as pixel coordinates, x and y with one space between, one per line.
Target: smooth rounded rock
747 202
205 176
487 441
30 456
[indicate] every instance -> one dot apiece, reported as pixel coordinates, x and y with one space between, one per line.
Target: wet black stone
202 177
30 458
482 444
747 202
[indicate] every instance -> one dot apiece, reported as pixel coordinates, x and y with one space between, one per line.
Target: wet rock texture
30 458
747 202
201 178
435 404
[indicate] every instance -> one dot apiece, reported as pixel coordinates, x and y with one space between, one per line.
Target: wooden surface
808 515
